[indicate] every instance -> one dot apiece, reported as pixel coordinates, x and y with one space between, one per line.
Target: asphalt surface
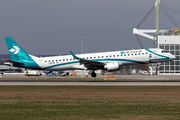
125 77
43 83
122 80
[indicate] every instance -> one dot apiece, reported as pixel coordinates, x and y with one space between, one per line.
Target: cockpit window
163 51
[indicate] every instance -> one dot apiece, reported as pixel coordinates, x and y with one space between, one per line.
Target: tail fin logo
122 52
14 50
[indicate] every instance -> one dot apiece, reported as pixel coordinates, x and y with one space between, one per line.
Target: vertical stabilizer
18 55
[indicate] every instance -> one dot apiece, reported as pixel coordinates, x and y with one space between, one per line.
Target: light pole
157 29
157 22
82 36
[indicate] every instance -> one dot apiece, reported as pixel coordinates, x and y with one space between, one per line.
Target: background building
170 42
9 69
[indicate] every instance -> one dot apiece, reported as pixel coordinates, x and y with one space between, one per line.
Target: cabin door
40 62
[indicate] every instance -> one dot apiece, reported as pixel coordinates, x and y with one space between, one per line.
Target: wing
89 64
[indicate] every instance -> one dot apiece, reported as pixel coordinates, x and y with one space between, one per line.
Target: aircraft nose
173 57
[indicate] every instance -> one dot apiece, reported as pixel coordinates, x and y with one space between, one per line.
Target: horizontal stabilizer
15 62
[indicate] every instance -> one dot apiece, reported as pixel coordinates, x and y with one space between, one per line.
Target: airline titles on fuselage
134 51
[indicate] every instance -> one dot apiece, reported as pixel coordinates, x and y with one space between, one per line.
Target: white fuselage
139 56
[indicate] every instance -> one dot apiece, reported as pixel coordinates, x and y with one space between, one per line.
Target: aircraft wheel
67 74
93 74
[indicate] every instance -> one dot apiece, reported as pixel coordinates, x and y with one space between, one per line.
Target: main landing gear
93 74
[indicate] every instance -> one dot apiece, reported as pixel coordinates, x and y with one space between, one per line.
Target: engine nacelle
114 66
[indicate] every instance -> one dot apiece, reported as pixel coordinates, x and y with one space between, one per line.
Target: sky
49 27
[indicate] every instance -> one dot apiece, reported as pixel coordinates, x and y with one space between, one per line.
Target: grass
89 102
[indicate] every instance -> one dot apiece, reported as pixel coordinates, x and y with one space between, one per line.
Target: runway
45 83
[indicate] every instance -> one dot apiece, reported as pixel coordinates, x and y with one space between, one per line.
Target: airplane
109 61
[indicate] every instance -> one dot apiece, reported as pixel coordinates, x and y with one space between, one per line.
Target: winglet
75 57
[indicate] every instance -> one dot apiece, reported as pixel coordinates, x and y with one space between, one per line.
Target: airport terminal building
9 69
171 43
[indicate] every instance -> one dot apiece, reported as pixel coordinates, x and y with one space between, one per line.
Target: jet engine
114 66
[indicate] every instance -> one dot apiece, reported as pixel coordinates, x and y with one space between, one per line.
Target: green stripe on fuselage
157 54
61 64
159 59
